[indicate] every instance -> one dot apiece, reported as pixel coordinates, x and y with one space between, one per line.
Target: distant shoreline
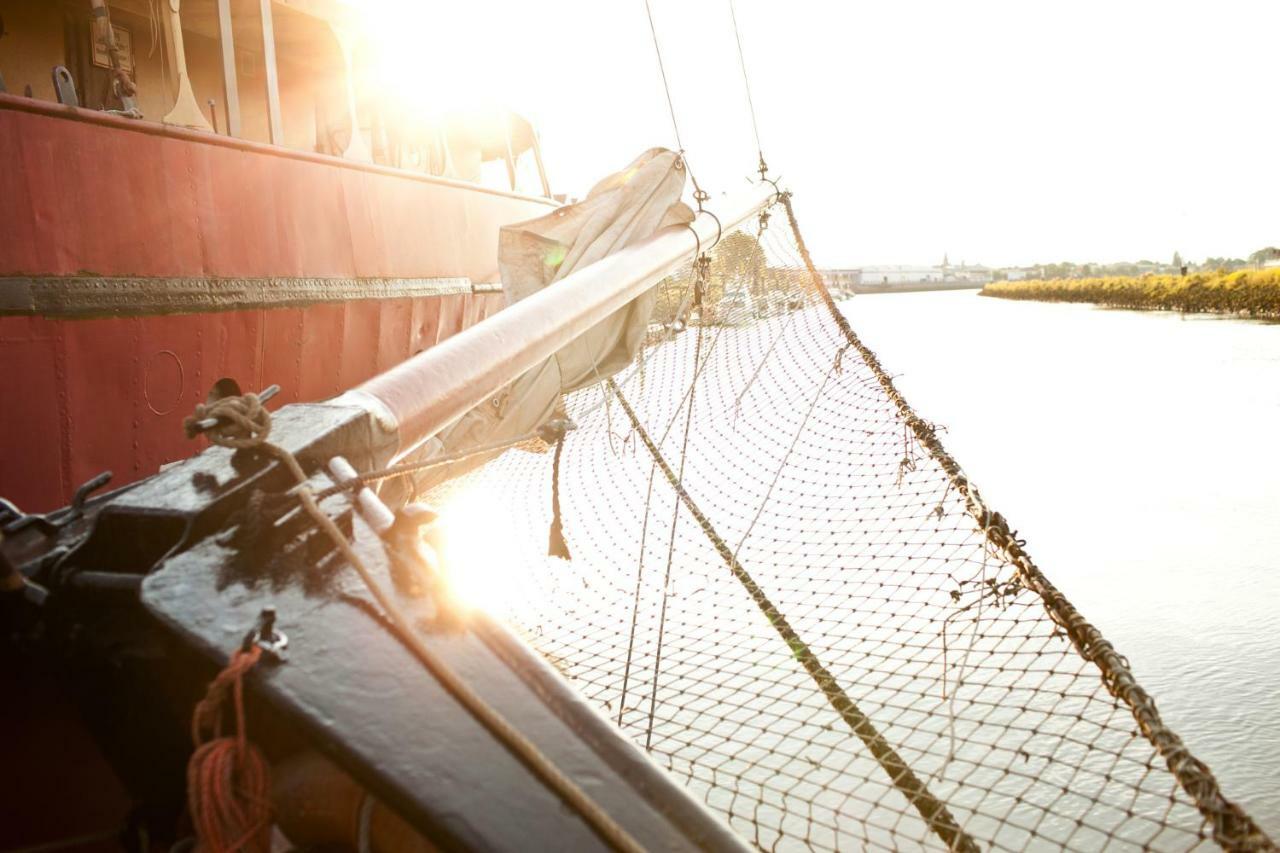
914 287
1248 293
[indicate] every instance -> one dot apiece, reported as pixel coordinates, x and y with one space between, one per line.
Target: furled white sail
624 208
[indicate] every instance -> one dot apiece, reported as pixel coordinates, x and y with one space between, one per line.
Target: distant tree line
1249 292
1177 266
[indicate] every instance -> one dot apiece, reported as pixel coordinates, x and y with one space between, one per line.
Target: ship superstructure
192 204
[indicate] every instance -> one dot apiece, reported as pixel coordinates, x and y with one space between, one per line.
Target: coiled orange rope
228 780
228 786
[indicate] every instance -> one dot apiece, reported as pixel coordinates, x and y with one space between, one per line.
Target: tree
738 262
1225 264
1266 254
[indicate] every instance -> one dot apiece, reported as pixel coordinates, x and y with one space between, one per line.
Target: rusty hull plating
151 214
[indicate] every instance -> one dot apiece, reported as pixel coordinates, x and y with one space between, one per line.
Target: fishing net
783 589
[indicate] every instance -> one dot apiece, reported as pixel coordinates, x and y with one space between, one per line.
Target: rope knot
242 421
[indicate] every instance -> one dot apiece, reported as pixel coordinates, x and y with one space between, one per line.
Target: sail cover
625 208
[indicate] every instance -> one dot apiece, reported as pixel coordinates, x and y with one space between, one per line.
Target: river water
1138 453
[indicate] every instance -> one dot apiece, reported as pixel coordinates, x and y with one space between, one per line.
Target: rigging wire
746 83
699 195
662 69
671 545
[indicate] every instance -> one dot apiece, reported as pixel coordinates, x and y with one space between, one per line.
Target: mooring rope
245 423
1233 829
934 812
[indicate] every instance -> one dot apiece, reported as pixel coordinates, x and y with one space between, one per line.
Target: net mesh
784 590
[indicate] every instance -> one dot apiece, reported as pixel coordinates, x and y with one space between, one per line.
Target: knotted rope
243 424
242 421
556 544
228 780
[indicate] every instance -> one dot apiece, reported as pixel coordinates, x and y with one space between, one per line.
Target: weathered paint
122 296
81 193
82 396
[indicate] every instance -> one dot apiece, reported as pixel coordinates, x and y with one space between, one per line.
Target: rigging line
786 326
248 425
635 606
528 753
1232 826
746 82
662 69
964 662
632 375
783 463
413 467
932 810
642 359
671 543
698 194
715 338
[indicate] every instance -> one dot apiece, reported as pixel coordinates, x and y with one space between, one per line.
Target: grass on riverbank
1255 293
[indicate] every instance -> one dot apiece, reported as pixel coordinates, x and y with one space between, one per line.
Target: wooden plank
272 74
230 86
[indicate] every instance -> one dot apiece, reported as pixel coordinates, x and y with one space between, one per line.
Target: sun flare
415 58
480 560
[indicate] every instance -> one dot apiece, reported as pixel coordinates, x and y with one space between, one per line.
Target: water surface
1138 453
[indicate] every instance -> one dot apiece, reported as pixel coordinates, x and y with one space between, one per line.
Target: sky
1003 133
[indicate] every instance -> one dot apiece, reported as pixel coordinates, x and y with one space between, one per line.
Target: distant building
900 274
1271 264
870 279
976 274
842 280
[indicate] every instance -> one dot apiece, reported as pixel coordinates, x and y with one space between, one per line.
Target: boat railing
352 121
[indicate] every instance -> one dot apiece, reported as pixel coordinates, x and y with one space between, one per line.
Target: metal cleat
265 636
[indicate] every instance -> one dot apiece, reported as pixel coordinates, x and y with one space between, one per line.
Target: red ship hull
141 263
